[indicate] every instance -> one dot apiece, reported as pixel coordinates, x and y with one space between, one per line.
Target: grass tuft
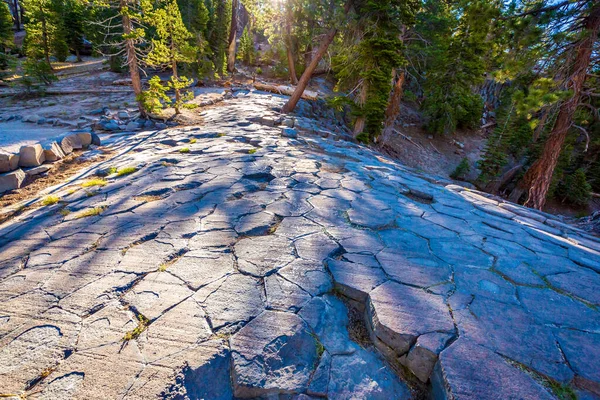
251 151
563 392
194 140
50 200
126 171
64 212
90 212
94 182
137 331
184 150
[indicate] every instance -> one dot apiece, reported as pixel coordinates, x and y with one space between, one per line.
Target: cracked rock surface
258 265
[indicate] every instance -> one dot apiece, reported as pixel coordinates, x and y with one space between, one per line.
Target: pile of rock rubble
35 159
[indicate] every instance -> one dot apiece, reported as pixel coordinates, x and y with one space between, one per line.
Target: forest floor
236 261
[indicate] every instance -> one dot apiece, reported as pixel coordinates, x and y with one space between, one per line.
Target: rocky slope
224 266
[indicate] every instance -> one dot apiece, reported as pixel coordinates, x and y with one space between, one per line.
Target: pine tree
219 33
73 20
246 52
6 24
456 62
44 34
171 46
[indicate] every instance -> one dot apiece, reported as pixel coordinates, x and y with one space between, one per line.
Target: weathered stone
579 348
468 371
262 255
70 143
8 162
328 318
355 280
156 293
199 268
417 271
509 331
256 224
85 138
275 353
315 247
424 354
220 307
42 169
284 295
361 375
31 156
319 383
289 133
95 139
309 275
54 153
11 180
399 314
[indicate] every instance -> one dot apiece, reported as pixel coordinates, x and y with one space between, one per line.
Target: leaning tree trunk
132 60
16 16
537 179
305 78
393 108
232 36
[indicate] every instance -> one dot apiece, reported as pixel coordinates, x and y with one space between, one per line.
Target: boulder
85 138
38 170
289 122
132 126
110 126
289 133
95 139
11 180
54 153
8 162
31 156
123 114
70 143
34 118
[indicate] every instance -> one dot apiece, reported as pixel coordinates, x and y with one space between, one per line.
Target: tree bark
393 108
16 16
539 176
305 78
289 46
232 36
132 61
45 38
359 124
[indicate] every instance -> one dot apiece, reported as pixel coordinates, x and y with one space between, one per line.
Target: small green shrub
126 171
194 140
258 71
461 170
94 182
50 200
184 150
90 212
575 189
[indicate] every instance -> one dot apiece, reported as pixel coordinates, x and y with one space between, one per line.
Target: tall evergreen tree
171 46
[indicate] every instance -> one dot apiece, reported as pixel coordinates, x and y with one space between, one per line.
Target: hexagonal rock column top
31 156
275 353
466 370
399 314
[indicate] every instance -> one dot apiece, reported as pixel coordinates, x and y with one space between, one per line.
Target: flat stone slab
273 354
468 371
399 314
263 255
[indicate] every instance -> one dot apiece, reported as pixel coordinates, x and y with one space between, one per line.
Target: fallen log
284 89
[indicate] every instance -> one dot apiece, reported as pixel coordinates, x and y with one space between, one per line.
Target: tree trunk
16 17
232 37
132 61
393 108
289 46
305 78
537 179
177 92
359 124
77 54
45 39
